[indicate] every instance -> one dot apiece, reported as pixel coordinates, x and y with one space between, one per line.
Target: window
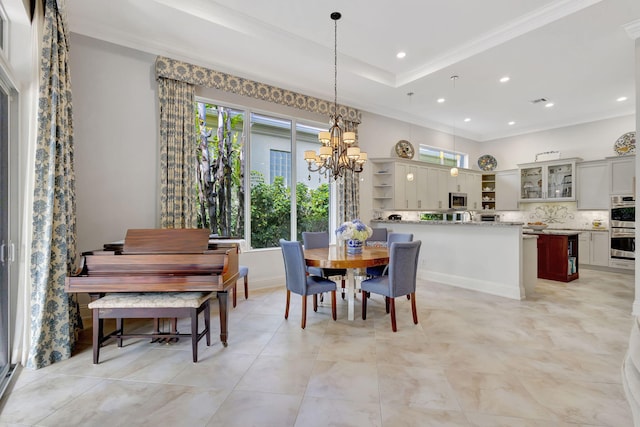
280 165
275 208
442 157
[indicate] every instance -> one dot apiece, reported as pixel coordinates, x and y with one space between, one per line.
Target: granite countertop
458 223
525 230
552 231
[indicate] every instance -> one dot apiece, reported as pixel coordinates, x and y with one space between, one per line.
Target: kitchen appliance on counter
623 231
457 200
395 217
489 218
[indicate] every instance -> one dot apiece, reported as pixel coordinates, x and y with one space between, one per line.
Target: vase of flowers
354 233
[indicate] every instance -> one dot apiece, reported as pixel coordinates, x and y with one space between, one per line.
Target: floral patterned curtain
177 154
348 187
55 317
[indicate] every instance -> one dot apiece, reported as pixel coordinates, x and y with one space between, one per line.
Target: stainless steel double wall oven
623 228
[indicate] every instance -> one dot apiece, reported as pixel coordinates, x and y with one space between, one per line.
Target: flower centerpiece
354 232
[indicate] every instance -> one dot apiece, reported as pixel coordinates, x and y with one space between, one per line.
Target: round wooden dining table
337 257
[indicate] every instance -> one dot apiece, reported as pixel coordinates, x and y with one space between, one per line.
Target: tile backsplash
557 215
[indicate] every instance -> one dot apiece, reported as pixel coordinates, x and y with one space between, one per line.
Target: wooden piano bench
140 305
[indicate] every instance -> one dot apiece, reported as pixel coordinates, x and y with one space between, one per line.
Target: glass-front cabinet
548 181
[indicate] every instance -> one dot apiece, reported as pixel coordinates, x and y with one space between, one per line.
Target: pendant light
454 169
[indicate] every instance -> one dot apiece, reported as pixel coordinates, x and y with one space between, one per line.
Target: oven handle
616 233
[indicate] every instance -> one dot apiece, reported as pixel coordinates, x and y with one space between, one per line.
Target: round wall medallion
487 162
626 144
404 149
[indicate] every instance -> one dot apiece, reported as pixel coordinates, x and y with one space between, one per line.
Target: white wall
116 148
589 141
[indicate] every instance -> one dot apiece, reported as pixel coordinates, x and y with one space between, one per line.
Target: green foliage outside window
220 190
271 210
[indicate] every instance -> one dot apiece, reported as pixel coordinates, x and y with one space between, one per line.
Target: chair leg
364 304
194 334
120 329
97 334
386 304
343 287
392 304
235 295
303 323
413 308
246 287
286 310
333 305
315 302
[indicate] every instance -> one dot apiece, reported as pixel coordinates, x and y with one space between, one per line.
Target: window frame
246 131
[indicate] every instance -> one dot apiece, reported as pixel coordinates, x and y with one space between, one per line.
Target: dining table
336 256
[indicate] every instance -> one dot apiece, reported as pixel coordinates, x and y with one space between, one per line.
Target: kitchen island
487 257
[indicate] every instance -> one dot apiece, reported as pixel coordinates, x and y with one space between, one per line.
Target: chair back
378 235
294 266
399 238
315 239
403 267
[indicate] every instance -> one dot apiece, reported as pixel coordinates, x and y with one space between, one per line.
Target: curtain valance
201 76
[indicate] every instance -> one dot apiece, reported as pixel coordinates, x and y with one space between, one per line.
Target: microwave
457 200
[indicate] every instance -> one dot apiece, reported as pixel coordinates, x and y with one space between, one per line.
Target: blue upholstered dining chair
401 280
320 239
381 270
299 282
378 235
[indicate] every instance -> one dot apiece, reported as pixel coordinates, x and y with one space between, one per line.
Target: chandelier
339 151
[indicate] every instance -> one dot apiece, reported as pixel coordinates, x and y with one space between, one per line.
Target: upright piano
161 260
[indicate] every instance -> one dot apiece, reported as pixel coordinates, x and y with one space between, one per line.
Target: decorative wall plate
404 149
626 144
487 162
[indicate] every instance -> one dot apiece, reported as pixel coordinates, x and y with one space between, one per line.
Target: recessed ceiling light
621 99
401 55
511 123
441 100
467 119
505 79
549 104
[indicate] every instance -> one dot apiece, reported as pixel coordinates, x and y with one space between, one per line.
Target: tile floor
473 360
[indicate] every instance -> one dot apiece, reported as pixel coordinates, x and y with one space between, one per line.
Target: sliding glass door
4 236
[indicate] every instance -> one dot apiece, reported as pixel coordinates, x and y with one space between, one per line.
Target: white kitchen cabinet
593 248
474 191
469 183
406 183
600 248
622 175
592 185
437 196
548 181
507 190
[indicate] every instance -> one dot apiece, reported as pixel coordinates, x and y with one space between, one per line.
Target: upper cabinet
592 185
622 175
410 185
507 190
548 181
